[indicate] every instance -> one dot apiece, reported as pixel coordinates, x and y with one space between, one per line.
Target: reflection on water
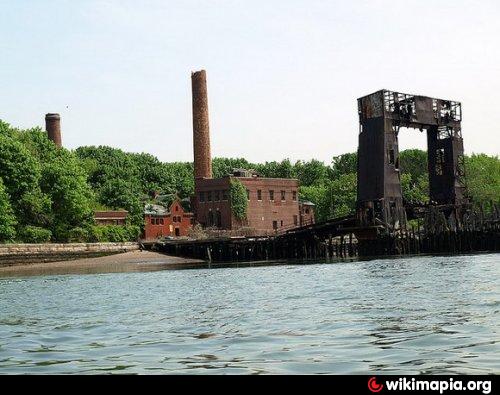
414 315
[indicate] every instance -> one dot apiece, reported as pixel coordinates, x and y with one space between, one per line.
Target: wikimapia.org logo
404 384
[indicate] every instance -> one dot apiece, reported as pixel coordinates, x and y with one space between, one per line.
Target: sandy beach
134 261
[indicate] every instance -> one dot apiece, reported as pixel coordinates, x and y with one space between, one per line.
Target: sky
283 76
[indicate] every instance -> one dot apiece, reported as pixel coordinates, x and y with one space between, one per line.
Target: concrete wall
11 254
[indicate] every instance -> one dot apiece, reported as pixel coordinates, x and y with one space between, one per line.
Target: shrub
78 235
34 234
114 233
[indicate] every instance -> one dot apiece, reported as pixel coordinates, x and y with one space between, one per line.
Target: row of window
217 196
159 221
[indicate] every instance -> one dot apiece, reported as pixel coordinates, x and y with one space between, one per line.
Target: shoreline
131 261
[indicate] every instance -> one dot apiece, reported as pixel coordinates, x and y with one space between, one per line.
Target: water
395 316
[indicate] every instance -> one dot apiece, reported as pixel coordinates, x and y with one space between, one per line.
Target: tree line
50 194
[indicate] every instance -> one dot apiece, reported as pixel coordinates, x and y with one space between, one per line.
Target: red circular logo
373 386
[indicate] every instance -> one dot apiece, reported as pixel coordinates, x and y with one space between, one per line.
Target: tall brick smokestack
201 129
53 128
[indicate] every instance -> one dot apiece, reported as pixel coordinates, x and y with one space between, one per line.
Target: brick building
272 202
118 217
160 222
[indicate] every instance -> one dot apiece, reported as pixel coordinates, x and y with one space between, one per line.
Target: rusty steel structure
201 128
53 128
381 115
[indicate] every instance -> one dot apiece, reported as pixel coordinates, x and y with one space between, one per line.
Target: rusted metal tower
381 115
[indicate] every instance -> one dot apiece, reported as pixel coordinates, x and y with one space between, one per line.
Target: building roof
306 203
155 209
111 214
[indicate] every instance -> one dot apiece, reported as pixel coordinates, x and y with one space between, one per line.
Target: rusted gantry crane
381 116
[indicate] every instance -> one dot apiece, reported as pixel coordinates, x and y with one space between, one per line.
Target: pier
341 238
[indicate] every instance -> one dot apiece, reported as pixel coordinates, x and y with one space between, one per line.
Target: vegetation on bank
49 194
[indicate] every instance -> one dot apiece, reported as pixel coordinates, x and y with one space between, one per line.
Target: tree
313 172
239 201
344 164
283 169
222 167
64 180
8 220
121 194
414 163
415 191
482 176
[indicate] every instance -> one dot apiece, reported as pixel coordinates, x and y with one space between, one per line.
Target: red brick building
118 217
272 203
160 222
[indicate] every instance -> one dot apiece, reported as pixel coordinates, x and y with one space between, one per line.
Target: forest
49 194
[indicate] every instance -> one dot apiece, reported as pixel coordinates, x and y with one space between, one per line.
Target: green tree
8 220
415 191
414 163
313 172
344 164
222 167
239 201
121 194
482 176
64 180
283 169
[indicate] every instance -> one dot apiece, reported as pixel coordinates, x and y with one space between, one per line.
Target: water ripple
397 316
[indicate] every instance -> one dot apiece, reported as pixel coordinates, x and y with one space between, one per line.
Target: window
161 221
157 221
275 225
307 211
202 197
294 196
259 194
210 219
391 156
224 195
217 196
209 196
295 220
179 219
152 221
176 208
248 194
174 219
283 196
281 222
271 195
218 219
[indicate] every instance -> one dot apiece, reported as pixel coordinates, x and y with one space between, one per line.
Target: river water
392 316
